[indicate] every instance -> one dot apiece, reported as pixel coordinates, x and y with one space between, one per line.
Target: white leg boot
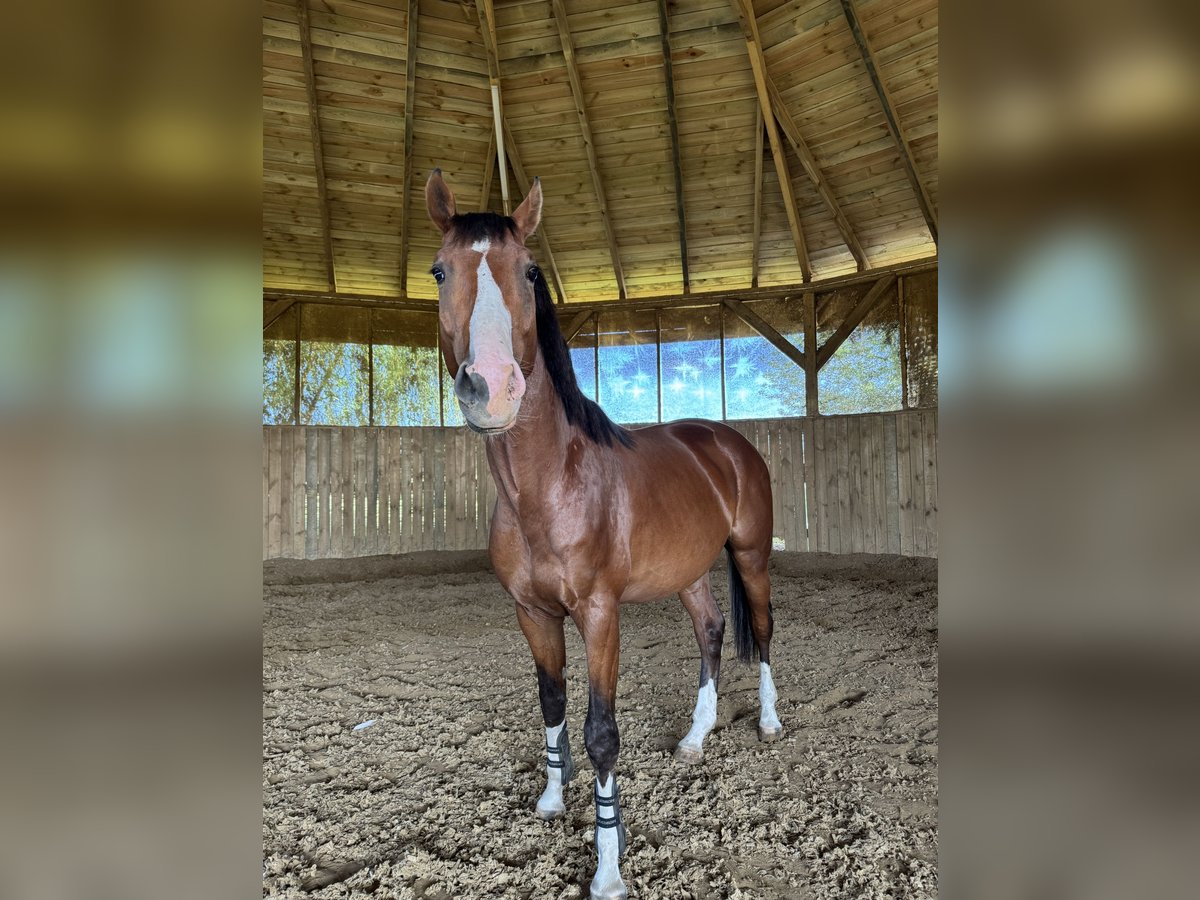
559 770
610 843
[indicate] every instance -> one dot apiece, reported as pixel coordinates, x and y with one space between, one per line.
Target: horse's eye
532 273
439 274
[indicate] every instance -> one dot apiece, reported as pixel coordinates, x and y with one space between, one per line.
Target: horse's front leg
545 636
600 626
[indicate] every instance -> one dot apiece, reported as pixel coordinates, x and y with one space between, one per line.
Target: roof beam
487 29
523 182
410 89
314 124
585 128
763 327
745 14
869 301
664 28
808 162
710 298
893 123
756 234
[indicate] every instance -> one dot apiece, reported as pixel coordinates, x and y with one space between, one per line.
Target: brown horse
590 515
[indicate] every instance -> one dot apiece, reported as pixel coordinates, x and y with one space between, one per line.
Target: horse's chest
558 561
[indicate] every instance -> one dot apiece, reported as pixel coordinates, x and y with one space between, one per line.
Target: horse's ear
529 213
439 200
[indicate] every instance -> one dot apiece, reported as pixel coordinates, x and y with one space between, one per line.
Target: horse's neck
529 459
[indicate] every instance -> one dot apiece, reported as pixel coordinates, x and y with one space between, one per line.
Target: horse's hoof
689 756
609 892
549 811
768 735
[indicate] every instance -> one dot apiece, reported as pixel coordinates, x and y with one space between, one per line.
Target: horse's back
688 485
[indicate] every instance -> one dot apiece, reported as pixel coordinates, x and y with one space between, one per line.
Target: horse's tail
747 647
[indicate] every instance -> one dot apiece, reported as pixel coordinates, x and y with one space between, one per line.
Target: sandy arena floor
435 799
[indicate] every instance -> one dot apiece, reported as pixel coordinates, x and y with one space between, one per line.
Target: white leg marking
607 883
768 721
550 805
703 719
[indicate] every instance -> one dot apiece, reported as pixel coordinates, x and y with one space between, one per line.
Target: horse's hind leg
546 640
709 625
751 564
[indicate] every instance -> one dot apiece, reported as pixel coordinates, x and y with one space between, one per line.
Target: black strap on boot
559 756
613 805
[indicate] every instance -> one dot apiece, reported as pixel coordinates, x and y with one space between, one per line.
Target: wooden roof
649 146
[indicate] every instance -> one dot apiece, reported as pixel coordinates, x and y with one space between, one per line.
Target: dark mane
579 409
479 226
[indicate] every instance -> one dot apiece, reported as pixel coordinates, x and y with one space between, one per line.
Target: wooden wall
842 484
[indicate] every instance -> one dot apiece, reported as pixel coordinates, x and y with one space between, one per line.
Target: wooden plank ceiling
640 160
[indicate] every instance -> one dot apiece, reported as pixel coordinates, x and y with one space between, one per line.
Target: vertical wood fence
842 484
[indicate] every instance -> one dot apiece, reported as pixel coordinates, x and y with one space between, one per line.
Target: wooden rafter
869 301
523 182
278 308
758 183
589 144
893 123
809 163
487 29
577 323
768 331
410 85
745 14
314 122
664 28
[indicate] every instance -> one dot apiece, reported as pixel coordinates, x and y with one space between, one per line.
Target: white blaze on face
491 351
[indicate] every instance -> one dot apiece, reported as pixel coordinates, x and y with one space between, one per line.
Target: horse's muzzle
488 408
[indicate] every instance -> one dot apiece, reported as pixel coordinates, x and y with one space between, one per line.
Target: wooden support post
756 234
664 29
658 357
869 301
754 47
489 174
759 324
410 90
296 373
721 314
902 337
314 124
893 122
811 400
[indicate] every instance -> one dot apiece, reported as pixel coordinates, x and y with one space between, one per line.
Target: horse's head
486 308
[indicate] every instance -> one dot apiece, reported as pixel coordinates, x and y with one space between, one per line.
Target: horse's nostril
470 387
